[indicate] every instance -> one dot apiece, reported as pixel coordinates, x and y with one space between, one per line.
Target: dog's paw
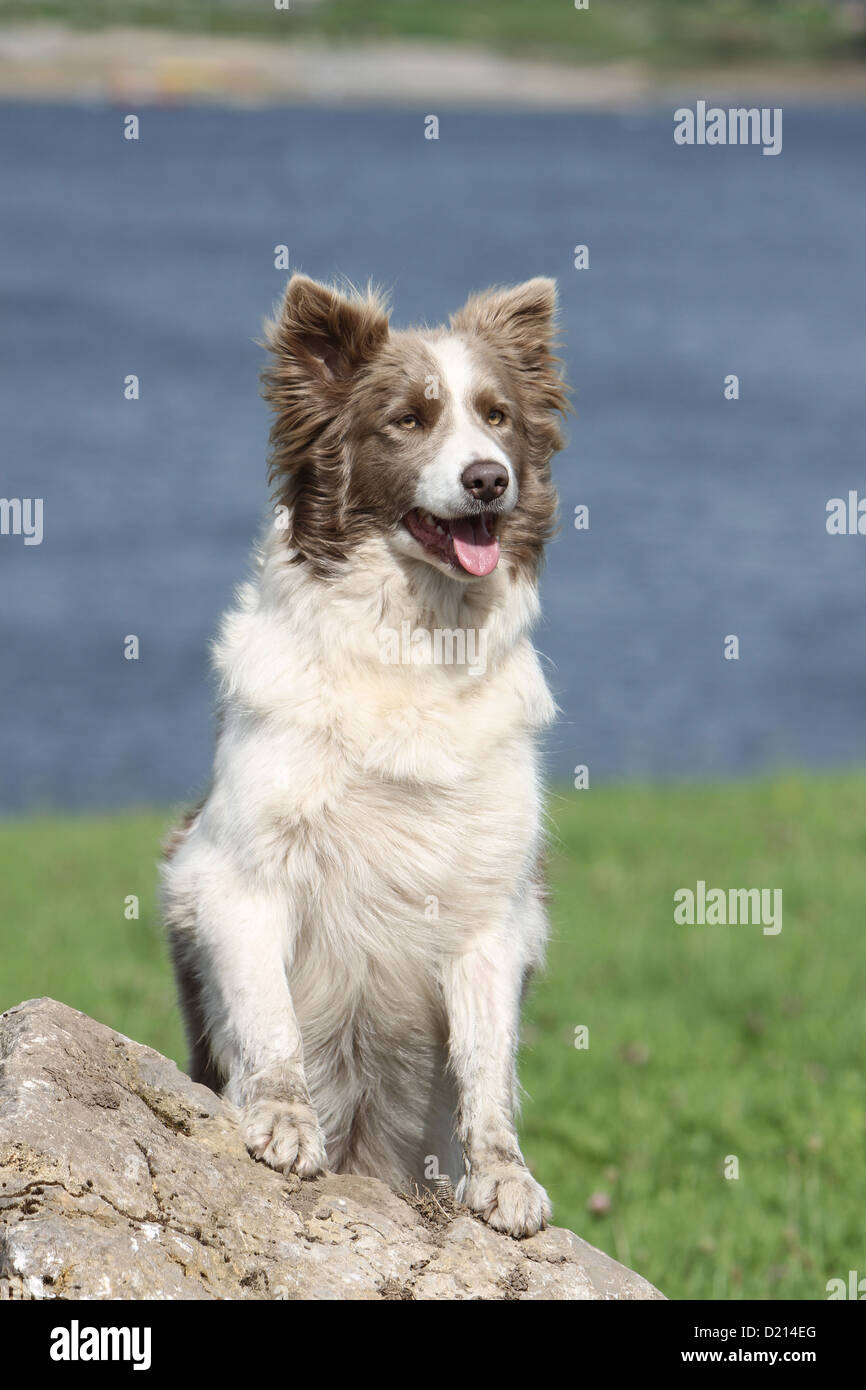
286 1136
508 1198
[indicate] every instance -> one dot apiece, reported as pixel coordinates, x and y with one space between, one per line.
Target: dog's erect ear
319 337
520 321
524 316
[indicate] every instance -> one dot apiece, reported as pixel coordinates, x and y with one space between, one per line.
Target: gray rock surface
121 1178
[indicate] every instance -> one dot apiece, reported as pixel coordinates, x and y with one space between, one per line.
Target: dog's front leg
482 994
242 946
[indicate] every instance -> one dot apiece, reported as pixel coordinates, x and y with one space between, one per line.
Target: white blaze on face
440 488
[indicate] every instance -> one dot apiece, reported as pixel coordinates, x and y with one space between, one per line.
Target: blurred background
707 517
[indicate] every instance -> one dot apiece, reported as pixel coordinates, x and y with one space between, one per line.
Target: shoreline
44 62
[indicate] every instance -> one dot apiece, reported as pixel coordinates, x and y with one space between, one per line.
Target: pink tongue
477 550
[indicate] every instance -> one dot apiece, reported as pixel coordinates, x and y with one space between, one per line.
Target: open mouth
467 542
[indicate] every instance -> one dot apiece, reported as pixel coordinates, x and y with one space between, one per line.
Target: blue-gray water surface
707 515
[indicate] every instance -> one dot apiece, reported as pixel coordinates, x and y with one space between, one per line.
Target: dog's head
439 441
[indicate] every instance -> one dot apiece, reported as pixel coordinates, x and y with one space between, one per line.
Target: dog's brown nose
485 480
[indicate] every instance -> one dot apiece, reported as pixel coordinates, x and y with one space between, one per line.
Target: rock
121 1178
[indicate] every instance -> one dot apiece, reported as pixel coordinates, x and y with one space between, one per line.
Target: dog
355 908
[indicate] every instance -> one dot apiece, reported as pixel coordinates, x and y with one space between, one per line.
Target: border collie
356 906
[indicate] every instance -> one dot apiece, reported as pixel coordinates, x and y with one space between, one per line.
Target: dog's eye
409 422
496 416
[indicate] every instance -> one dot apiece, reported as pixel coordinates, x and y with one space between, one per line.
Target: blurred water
707 517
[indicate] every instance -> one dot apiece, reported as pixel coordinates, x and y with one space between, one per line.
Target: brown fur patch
321 340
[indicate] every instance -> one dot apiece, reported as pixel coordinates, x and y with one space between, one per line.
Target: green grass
661 31
703 1041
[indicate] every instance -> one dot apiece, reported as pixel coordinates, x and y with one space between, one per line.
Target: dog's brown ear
320 336
521 322
521 315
